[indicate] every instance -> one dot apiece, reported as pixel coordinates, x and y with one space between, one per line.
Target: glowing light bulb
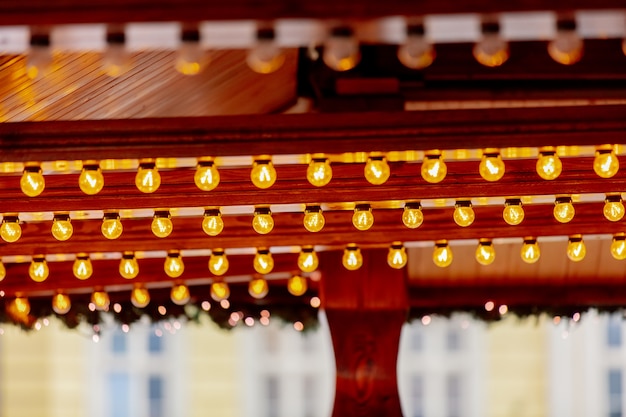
10 229
100 300
606 163
263 173
262 223
265 57
218 262
32 182
513 212
91 180
162 223
307 259
341 50
463 213
39 58
313 219
564 209
352 258
3 271
258 288
82 266
38 270
530 250
485 253
207 177
434 169
191 58
61 303
618 246
116 59
377 170
491 166
442 255
319 172
263 261
576 249
174 266
397 257
20 306
212 222
220 291
549 164
412 215
140 297
416 52
491 50
567 47
129 267
62 227
148 178
297 285
111 226
613 208
363 219
180 294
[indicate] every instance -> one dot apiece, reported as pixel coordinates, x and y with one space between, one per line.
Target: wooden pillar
366 310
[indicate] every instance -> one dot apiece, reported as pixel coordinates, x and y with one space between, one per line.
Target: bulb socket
263 251
205 163
40 40
490 28
190 35
441 243
413 205
463 203
262 210
212 212
160 214
217 252
307 249
173 254
613 198
397 245
39 258
563 200
362 207
82 256
415 29
10 218
566 25
513 202
112 215
619 236
575 238
530 240
342 32
128 255
485 242
34 168
116 38
61 217
314 208
265 34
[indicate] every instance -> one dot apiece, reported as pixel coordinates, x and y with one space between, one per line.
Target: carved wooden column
365 309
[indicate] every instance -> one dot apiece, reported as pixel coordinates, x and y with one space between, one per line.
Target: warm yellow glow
297 285
174 266
220 291
313 219
434 169
530 250
258 288
363 219
212 222
442 255
397 257
566 48
319 173
111 226
263 173
32 182
485 252
416 52
207 177
265 57
162 225
10 229
218 262
352 258
82 266
263 262
20 306
38 270
61 303
618 246
307 259
148 178
491 166
140 297
492 50
377 170
116 59
129 267
341 53
91 180
191 58
549 165
262 223
62 227
613 208
564 210
513 212
3 271
576 249
101 300
180 294
463 213
412 215
606 163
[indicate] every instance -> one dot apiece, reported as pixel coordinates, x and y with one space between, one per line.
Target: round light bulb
38 270
576 249
416 52
162 225
258 288
463 213
91 180
32 182
613 208
263 261
341 50
62 227
362 218
61 303
148 178
397 257
491 166
618 246
129 267
567 47
352 258
412 215
207 177
530 251
100 300
485 253
174 266
319 173
20 306
606 163
564 210
262 223
82 266
220 291
513 213
116 59
218 262
263 173
212 222
111 226
265 57
307 259
377 170
191 58
180 294
3 271
297 285
39 59
434 169
313 219
549 165
491 50
442 255
10 229
140 297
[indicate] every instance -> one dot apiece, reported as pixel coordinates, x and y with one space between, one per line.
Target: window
155 343
118 342
271 338
272 396
309 396
614 331
417 396
615 393
417 338
155 396
119 395
453 395
453 340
